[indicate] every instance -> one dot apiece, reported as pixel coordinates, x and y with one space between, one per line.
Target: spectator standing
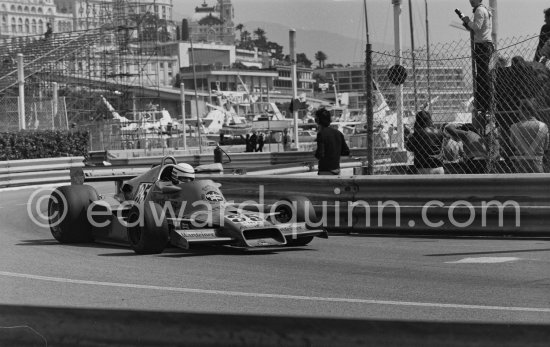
426 143
530 139
482 27
473 147
260 143
331 144
247 143
49 31
544 34
285 140
253 141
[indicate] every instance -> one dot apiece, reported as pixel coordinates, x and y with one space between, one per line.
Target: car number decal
142 191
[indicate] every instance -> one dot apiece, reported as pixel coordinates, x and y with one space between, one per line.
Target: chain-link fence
46 114
473 109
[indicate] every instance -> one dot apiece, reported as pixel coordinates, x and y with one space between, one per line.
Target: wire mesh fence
457 117
40 114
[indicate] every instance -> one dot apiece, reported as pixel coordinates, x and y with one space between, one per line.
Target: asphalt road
352 276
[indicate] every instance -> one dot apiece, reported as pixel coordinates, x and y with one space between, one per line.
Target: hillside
338 48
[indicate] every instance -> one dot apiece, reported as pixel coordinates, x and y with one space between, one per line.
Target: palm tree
321 57
240 28
261 40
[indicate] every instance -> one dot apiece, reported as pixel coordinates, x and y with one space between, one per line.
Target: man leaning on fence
530 140
426 143
482 28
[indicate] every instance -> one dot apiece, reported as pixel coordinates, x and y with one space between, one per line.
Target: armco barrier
37 171
248 161
43 326
515 204
463 204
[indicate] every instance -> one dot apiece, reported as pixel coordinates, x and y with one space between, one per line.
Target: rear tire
147 236
67 213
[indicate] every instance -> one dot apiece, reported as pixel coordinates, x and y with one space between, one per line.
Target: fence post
182 100
55 101
21 82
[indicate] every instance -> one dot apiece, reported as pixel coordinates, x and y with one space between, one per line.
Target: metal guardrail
37 171
448 204
511 204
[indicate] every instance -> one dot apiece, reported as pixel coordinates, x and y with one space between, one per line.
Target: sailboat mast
428 56
413 57
196 94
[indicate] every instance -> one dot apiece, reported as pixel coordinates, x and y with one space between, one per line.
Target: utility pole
370 111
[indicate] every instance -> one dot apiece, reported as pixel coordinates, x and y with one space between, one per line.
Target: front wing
265 236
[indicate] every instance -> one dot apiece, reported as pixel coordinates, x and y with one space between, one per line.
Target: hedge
42 144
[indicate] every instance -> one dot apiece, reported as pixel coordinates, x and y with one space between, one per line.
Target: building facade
446 86
20 18
213 23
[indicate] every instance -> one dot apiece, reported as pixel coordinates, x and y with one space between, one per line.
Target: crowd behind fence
441 84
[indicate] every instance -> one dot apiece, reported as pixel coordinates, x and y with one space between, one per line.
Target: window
27 26
20 25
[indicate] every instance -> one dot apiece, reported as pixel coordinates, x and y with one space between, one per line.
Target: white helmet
183 170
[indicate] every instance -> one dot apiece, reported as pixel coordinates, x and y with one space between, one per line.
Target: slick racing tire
67 213
146 234
304 212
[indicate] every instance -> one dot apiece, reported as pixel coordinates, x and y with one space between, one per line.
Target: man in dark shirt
426 143
331 144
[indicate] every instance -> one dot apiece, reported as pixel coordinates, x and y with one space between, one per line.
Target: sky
516 17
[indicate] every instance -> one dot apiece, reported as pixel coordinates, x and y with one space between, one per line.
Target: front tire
67 213
146 234
303 212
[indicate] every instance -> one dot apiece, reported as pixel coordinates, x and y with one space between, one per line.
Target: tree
240 28
321 57
302 59
276 50
261 40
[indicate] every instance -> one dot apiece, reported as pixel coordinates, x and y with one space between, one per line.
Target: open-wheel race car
167 206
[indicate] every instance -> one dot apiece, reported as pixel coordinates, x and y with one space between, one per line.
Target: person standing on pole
482 28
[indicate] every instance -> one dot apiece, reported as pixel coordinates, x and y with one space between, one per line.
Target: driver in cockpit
179 173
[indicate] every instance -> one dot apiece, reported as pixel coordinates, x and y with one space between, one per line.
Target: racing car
166 206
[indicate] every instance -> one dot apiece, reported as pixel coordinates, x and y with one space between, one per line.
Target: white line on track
274 296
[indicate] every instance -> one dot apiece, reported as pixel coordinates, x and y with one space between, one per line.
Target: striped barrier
37 171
